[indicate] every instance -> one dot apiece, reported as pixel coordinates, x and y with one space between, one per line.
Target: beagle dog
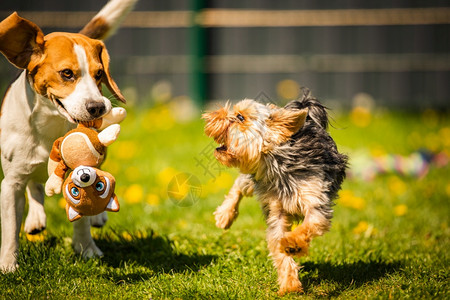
60 86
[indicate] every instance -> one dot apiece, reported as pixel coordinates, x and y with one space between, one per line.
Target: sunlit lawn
390 235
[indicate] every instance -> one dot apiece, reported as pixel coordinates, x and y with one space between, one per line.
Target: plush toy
87 190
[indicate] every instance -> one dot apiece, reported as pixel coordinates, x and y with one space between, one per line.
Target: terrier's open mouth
222 148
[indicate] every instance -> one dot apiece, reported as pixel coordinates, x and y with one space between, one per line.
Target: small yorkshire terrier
289 161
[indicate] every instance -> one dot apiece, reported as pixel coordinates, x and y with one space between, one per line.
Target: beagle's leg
82 240
228 211
12 205
36 219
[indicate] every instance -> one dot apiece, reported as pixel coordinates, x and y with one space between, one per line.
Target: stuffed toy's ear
72 214
283 123
21 41
113 204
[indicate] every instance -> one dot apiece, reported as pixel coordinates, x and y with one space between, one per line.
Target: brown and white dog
60 86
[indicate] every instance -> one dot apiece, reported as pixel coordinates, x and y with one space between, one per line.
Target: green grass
390 236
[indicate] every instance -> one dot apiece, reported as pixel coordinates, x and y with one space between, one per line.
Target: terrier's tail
108 19
316 111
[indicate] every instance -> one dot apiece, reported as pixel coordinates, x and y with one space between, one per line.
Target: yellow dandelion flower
40 237
141 234
361 227
361 116
179 188
152 199
444 134
124 149
166 175
165 119
224 180
348 199
134 194
377 151
397 186
159 118
400 210
62 202
182 224
127 236
432 142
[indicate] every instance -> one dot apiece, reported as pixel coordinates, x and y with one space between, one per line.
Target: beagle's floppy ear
21 41
282 124
107 79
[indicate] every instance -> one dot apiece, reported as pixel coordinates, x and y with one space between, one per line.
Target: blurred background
382 67
390 53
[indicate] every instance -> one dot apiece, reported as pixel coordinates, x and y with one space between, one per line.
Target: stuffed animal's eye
75 192
240 117
67 74
100 186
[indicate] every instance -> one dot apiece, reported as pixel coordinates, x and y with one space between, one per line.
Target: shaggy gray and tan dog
287 158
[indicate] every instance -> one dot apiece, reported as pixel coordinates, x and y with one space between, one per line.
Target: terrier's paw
87 250
293 286
36 220
225 217
99 220
294 244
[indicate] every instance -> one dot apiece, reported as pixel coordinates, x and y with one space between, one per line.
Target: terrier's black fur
310 153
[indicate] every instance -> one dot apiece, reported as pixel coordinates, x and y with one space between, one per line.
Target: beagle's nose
95 109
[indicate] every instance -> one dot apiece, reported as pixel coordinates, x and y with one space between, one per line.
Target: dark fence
395 51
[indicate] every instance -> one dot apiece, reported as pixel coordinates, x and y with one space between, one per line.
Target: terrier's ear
21 41
283 123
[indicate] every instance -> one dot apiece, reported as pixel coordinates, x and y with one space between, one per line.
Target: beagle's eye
240 117
99 75
66 74
75 192
100 186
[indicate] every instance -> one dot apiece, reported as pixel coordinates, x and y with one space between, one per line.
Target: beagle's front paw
8 265
36 220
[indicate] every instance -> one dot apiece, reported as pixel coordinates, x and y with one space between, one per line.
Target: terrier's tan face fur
249 130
